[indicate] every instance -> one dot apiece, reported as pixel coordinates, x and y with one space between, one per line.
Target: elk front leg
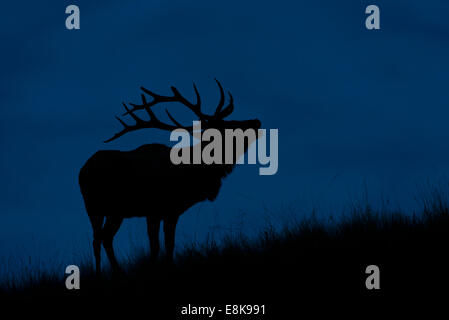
153 226
169 234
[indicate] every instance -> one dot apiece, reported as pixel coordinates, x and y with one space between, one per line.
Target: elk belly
193 310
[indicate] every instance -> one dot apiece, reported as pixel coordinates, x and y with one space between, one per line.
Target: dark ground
309 265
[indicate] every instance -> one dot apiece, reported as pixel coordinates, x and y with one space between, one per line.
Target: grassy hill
306 261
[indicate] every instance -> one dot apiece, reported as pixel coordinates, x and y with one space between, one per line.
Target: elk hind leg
110 228
97 224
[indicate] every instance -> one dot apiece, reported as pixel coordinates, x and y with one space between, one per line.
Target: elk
144 182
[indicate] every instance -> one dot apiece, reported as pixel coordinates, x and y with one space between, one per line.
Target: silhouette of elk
145 183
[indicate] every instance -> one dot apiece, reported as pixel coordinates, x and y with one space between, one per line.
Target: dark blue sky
354 108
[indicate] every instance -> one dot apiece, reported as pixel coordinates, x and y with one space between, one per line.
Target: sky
360 113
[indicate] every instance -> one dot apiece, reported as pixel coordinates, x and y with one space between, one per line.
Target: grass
307 259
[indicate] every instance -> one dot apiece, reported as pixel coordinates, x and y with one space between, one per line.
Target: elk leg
110 228
169 234
97 224
153 226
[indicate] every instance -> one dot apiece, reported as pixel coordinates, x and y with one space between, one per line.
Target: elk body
145 183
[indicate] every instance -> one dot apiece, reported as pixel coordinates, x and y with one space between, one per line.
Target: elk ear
229 109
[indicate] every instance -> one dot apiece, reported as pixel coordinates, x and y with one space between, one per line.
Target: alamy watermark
233 148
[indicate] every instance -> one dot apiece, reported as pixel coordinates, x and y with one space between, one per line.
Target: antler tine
156 99
222 99
131 113
229 108
219 113
126 128
198 98
196 108
173 119
145 105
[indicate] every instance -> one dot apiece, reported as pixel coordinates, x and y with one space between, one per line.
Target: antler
154 122
229 108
